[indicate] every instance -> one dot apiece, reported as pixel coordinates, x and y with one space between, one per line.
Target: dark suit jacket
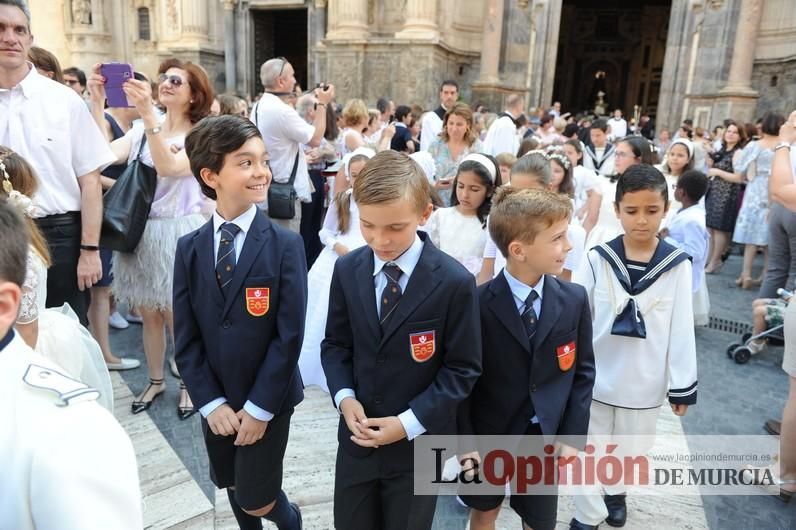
378 365
222 350
518 381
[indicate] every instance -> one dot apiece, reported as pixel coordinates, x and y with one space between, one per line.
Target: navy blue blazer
549 380
222 348
388 373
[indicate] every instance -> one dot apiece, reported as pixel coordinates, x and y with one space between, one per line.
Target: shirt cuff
256 412
213 405
411 424
341 395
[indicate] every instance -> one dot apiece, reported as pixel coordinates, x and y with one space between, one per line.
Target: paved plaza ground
733 399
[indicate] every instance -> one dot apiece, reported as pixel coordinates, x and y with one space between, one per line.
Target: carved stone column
348 19
229 45
490 46
194 19
421 21
738 99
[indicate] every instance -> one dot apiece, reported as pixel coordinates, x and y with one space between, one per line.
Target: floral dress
751 228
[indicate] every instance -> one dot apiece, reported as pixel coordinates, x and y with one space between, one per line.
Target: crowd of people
267 215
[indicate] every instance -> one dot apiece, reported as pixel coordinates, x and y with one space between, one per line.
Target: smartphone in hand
116 74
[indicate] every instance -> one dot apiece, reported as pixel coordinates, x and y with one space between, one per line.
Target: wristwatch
154 130
782 145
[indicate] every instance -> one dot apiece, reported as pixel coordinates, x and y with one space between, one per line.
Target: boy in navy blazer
240 294
402 348
538 363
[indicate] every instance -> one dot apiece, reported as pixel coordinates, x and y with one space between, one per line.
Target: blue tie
225 262
391 294
529 317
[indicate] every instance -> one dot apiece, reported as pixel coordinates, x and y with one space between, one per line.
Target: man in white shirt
502 136
618 126
431 124
49 125
284 131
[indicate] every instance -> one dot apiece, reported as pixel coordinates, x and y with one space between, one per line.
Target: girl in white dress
562 181
340 235
460 231
679 159
54 333
588 190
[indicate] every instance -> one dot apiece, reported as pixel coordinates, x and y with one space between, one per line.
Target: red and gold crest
257 300
423 345
566 356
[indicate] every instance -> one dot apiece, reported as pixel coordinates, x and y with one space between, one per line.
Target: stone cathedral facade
702 59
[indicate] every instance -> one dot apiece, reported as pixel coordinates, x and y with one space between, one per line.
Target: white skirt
701 304
63 340
145 277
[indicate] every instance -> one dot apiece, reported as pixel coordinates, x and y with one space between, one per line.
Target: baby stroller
750 343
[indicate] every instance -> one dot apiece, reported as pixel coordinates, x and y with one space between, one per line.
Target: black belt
59 219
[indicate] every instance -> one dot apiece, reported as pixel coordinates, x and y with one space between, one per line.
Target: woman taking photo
144 278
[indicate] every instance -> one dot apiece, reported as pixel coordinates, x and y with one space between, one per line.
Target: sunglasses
284 62
71 82
174 80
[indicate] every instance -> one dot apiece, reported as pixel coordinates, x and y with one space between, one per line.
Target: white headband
364 151
484 161
687 144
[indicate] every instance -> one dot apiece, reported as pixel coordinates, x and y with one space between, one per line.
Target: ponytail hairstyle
486 180
343 199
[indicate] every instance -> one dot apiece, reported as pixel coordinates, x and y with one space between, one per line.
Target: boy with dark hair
599 152
240 294
402 140
60 451
639 290
536 334
402 348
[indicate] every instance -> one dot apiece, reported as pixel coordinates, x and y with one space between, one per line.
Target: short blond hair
519 215
355 112
390 176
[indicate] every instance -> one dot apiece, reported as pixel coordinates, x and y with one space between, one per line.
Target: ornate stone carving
81 12
171 13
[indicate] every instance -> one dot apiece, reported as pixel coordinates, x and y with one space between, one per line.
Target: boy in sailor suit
66 463
599 156
639 290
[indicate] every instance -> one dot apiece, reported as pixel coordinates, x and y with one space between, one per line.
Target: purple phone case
115 75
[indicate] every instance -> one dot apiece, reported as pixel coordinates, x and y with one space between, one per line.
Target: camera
322 86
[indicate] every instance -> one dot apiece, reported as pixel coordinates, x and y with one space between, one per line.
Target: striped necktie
225 263
391 294
529 317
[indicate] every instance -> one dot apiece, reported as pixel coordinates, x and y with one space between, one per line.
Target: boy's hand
354 415
251 429
223 421
679 410
470 463
380 431
565 451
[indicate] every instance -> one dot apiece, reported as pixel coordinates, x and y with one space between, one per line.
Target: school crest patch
257 300
566 356
423 345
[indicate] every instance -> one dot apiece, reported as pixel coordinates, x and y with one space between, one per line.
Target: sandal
184 412
713 269
784 495
140 406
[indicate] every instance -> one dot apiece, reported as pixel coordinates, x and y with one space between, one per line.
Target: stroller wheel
742 355
731 349
746 336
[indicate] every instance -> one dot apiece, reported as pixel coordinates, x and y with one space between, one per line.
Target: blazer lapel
206 255
551 310
256 238
366 291
421 284
502 304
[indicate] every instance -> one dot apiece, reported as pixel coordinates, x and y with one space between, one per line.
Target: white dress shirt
407 263
502 137
430 127
244 222
284 131
618 128
48 124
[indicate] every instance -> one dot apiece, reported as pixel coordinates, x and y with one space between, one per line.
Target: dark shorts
106 256
255 471
537 511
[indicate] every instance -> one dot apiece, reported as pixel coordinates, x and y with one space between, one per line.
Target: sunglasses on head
174 80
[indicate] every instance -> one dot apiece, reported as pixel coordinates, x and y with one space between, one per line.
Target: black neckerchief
630 322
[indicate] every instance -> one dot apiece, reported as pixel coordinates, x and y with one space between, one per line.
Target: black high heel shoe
184 412
141 406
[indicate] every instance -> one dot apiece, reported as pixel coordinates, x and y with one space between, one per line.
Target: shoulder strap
295 167
255 108
141 146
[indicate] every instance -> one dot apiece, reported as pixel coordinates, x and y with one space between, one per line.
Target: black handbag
126 205
282 196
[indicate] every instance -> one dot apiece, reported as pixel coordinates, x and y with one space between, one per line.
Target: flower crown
19 200
551 155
